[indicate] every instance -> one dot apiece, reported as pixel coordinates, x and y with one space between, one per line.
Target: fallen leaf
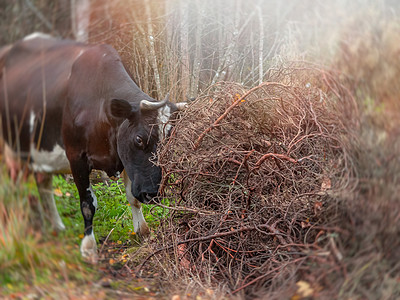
304 289
58 192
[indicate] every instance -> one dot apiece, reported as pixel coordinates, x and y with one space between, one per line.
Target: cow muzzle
146 198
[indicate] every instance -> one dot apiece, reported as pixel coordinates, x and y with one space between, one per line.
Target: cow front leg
88 209
88 202
139 223
44 183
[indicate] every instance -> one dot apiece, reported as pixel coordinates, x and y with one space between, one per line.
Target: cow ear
120 108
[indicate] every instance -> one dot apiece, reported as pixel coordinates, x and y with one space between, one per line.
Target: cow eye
139 141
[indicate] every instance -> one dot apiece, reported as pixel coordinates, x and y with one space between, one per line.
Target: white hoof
89 249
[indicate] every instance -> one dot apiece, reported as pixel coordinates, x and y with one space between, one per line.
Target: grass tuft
29 257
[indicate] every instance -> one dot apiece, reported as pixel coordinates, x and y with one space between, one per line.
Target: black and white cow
72 107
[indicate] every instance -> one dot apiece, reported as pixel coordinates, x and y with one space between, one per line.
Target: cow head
141 128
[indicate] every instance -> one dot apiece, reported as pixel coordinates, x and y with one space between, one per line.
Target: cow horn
149 105
181 105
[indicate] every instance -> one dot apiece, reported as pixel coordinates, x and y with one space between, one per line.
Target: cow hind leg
139 224
44 183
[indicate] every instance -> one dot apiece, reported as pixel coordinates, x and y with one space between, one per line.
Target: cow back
33 86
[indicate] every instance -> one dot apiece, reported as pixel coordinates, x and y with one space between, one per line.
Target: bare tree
184 41
151 43
194 85
39 14
80 19
261 46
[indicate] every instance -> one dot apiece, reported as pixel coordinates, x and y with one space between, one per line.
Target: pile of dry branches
255 175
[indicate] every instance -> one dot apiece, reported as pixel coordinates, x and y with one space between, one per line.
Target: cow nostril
146 197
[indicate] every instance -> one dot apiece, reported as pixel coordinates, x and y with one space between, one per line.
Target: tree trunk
151 41
80 19
194 85
261 46
184 41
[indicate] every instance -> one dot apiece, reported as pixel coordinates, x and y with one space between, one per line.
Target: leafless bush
257 172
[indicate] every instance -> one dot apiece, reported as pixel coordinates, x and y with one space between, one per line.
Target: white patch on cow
89 248
49 161
31 122
36 35
89 189
139 223
164 113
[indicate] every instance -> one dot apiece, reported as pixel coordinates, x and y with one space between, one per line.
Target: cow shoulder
97 77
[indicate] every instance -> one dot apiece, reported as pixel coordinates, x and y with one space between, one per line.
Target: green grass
30 258
113 212
27 257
